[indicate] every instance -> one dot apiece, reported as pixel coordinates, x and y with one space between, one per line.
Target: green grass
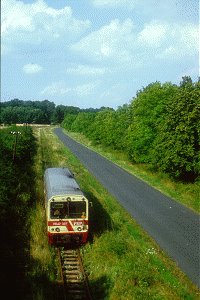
186 193
121 260
44 273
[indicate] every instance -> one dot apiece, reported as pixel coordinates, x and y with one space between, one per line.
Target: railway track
74 279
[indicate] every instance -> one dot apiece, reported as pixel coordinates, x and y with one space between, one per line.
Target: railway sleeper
71 258
69 252
74 276
73 281
71 264
72 271
72 268
75 270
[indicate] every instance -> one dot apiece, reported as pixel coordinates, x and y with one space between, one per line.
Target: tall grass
121 260
44 271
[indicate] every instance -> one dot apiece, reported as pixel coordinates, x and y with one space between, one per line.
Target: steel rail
75 282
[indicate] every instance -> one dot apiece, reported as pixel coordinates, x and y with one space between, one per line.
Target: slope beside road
173 226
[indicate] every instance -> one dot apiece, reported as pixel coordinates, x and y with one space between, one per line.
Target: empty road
173 226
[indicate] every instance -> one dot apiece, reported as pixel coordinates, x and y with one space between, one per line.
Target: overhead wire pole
16 133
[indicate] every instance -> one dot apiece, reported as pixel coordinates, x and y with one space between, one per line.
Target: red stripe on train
61 223
65 223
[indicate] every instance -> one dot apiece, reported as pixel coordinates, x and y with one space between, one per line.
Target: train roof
60 181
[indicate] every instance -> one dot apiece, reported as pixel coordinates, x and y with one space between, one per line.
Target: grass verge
121 260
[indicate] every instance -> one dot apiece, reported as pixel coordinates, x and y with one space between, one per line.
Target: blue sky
93 53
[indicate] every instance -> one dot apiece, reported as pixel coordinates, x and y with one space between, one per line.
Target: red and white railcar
66 207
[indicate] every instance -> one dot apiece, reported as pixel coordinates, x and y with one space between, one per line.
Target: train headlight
57 229
79 228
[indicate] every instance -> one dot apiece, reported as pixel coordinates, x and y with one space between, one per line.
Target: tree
48 109
59 114
9 115
147 111
68 121
122 122
177 147
83 122
103 126
18 111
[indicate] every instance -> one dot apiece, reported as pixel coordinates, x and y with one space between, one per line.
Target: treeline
17 149
161 127
36 112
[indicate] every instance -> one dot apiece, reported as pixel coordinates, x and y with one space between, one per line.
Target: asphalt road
174 227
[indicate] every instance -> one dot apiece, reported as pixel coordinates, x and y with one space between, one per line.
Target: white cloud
85 89
37 22
121 46
56 88
86 70
60 88
115 3
170 38
15 16
169 51
181 40
153 34
112 43
32 68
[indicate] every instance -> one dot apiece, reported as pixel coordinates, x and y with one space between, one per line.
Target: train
67 208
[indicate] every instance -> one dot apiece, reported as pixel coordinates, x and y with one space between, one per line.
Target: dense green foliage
18 111
147 113
161 126
179 134
16 196
36 112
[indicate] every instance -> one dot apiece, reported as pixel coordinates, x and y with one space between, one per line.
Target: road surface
173 226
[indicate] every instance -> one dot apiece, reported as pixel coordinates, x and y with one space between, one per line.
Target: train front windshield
68 210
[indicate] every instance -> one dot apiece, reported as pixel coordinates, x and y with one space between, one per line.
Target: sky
94 53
